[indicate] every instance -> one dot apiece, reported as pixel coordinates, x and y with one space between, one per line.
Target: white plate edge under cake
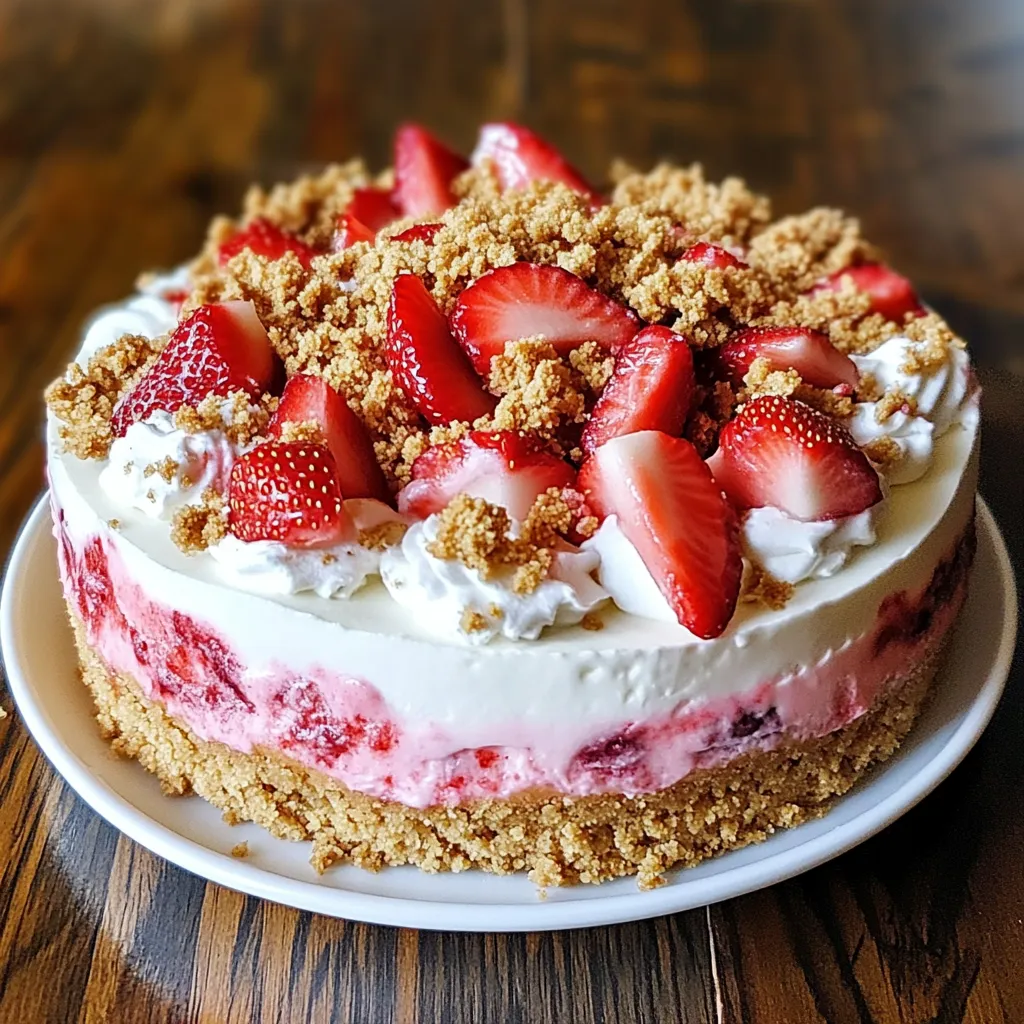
476 901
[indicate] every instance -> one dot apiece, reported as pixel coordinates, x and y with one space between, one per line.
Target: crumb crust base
557 839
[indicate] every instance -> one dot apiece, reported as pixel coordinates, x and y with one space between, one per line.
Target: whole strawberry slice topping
520 157
782 453
288 493
501 466
424 169
673 512
711 255
810 353
311 399
265 239
892 294
650 389
220 348
369 210
425 359
526 299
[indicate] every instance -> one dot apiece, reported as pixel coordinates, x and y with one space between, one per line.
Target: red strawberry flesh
892 295
672 511
220 348
424 169
369 210
650 389
267 240
503 467
418 232
523 300
782 453
810 353
287 492
311 399
711 255
425 359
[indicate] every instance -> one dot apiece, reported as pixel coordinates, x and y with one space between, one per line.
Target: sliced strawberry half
810 353
892 294
267 240
520 157
526 299
369 210
288 492
424 169
418 232
673 512
307 398
425 359
711 256
782 453
220 348
501 466
650 389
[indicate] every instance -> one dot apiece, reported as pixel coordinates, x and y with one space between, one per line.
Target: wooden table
125 124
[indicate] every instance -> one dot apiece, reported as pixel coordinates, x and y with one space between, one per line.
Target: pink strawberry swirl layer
343 727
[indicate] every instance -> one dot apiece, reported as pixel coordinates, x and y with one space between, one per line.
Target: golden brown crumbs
473 621
327 558
383 535
825 400
713 409
84 400
128 467
933 338
167 469
593 622
587 526
539 392
868 388
883 451
308 431
194 528
761 380
495 611
235 414
893 401
548 520
762 588
240 850
530 575
114 524
593 363
151 495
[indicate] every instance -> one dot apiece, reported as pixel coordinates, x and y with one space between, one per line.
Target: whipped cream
439 591
139 475
793 551
272 568
943 395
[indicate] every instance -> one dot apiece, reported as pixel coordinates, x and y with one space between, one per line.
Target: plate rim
405 911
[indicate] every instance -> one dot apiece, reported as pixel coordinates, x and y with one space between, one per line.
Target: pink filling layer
343 727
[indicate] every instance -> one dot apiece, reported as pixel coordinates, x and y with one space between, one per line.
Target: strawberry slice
711 256
672 511
424 169
810 353
220 348
418 232
265 239
782 453
307 398
288 493
526 299
892 295
425 359
501 466
369 210
520 157
650 389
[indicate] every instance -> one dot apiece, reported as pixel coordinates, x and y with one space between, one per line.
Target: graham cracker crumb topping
194 528
762 588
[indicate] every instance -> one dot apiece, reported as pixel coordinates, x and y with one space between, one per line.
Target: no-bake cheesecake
468 516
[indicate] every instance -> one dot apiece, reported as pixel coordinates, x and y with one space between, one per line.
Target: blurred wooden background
126 124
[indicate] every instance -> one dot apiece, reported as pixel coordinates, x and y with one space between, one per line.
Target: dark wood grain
126 124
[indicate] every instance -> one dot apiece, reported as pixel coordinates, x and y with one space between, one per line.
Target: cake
467 516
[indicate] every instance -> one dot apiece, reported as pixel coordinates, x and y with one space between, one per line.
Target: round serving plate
41 668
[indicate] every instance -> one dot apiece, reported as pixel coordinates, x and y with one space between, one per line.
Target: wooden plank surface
126 124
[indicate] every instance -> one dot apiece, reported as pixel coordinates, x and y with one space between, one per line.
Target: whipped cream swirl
439 591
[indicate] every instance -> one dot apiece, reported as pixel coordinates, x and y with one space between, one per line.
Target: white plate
41 670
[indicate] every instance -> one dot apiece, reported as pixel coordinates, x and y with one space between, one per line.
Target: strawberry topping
425 359
650 389
288 493
418 232
892 295
501 466
673 512
782 453
369 210
424 168
520 157
810 353
711 256
526 299
307 398
218 349
265 239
